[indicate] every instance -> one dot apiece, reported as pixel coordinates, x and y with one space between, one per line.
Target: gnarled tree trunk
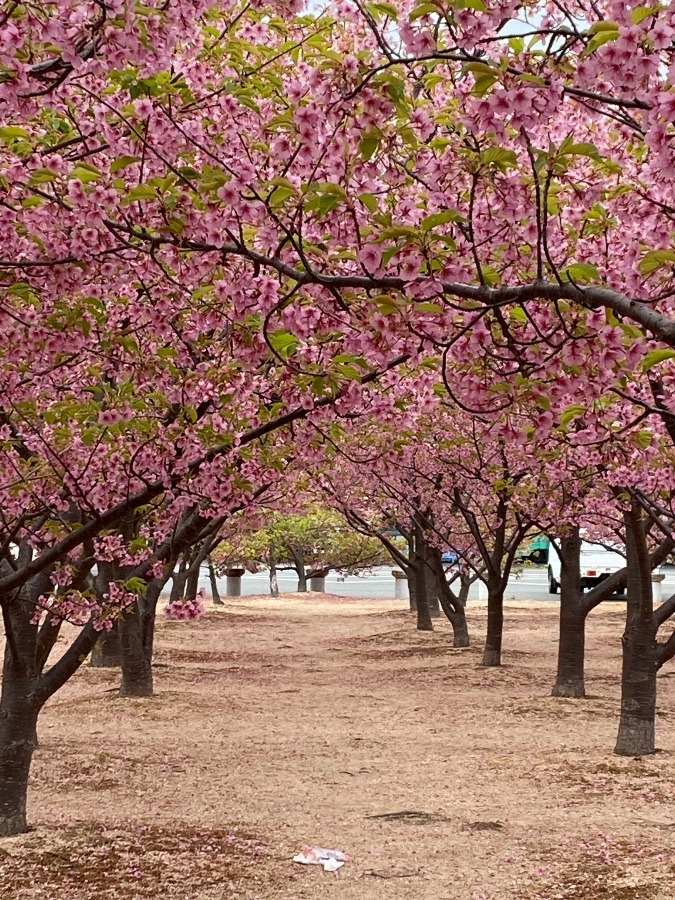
450 603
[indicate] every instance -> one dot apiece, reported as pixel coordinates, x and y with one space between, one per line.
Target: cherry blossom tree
222 220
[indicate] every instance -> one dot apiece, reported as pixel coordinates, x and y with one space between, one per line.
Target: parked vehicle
449 557
537 551
597 563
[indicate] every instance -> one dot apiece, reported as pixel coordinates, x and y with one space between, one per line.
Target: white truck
597 562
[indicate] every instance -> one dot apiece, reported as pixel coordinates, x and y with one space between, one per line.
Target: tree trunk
636 735
410 571
136 662
421 574
18 728
179 578
274 581
450 603
460 630
492 654
571 652
412 589
214 583
148 610
572 636
424 622
19 707
107 654
433 599
25 688
638 675
299 564
192 582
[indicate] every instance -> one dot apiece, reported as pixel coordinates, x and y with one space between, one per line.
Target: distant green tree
311 543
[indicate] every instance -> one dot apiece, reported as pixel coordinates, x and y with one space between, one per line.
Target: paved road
531 585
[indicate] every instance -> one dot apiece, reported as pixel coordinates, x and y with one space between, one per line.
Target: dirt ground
305 721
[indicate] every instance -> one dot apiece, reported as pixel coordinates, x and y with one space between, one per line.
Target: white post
657 586
317 584
400 584
482 591
233 582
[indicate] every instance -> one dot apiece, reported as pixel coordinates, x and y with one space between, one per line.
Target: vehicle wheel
620 592
553 586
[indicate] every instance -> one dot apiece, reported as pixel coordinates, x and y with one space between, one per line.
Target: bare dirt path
305 721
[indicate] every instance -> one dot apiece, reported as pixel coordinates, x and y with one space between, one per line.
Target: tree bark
274 581
179 579
424 621
18 728
420 571
18 725
192 581
450 603
412 589
299 563
638 676
136 662
572 636
215 595
492 654
20 703
107 654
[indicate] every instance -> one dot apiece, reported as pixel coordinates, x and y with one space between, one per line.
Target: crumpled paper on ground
331 860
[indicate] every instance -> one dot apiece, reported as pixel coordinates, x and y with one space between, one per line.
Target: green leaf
505 159
387 9
135 585
439 218
640 13
385 304
368 146
11 132
602 37
283 342
428 306
42 176
581 271
423 9
478 5
654 357
480 67
482 84
397 231
279 194
122 162
655 259
571 413
598 27
369 201
140 192
584 148
85 174
328 187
